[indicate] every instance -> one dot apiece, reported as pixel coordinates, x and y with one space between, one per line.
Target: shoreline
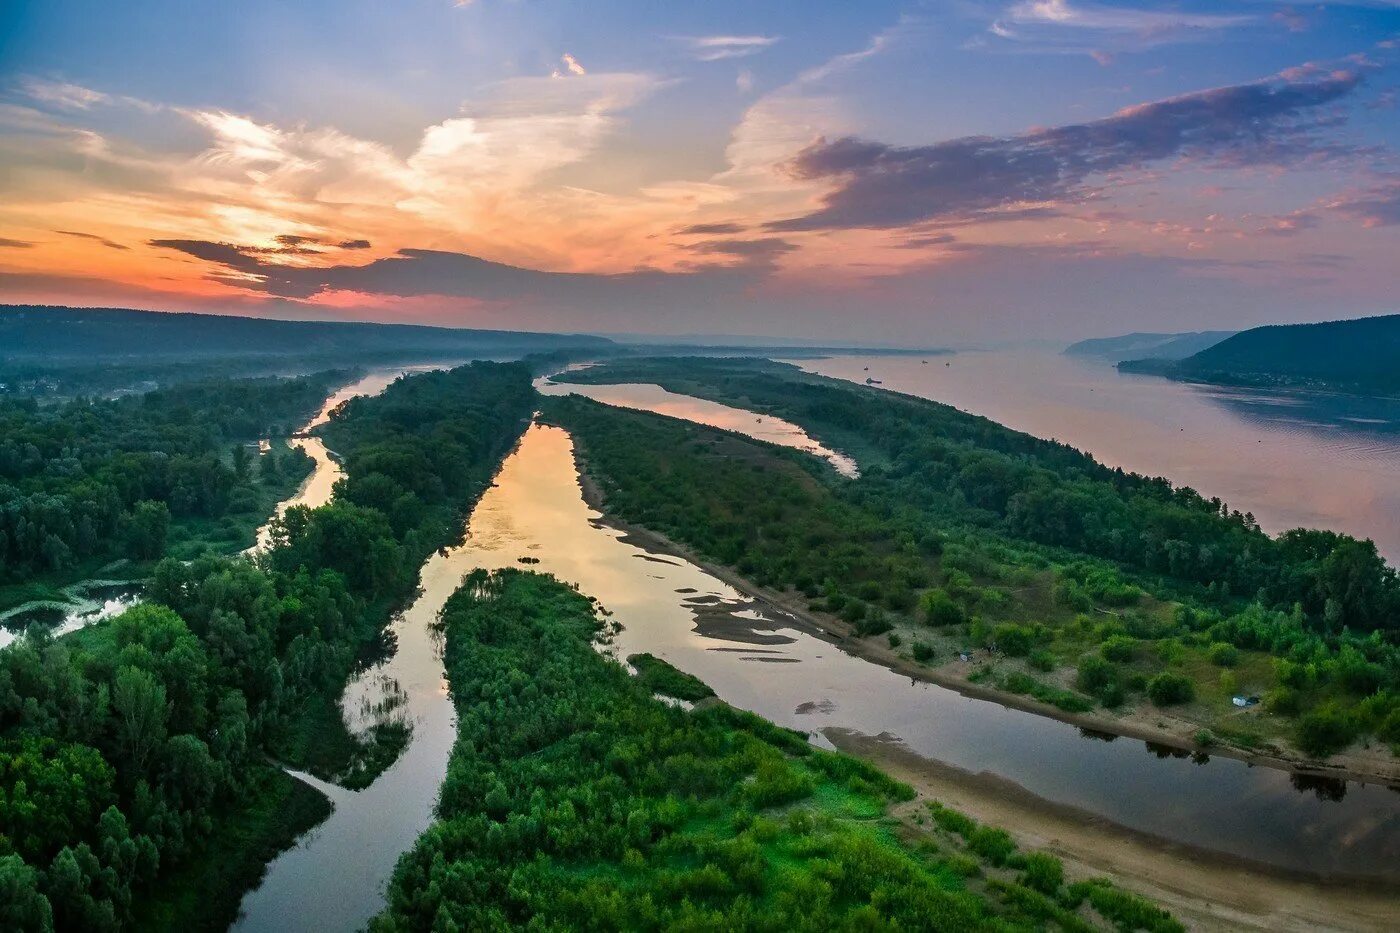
1351 766
1206 890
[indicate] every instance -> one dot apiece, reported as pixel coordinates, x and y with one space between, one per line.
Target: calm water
648 397
1293 459
316 490
768 663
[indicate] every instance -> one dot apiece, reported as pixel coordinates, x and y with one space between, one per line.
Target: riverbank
1205 890
1149 725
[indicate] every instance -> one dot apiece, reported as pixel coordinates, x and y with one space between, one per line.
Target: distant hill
1148 346
1359 356
31 333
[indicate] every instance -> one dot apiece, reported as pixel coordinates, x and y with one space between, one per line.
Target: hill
1360 356
30 333
1147 346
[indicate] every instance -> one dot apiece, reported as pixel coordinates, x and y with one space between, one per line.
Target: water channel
767 662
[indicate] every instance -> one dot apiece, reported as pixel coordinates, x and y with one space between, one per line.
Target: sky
948 173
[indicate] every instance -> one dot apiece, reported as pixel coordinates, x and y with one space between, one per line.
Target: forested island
1358 356
1078 586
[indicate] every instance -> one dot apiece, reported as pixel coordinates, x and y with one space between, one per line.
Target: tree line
131 747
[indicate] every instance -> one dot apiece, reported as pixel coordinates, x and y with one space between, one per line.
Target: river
1294 459
771 664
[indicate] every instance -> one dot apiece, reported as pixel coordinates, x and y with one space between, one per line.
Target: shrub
895 640
1285 701
1118 648
1095 675
1168 689
1043 872
1041 660
922 652
994 845
1014 640
1325 731
1223 654
940 609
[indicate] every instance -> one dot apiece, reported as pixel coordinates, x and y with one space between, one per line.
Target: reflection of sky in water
648 397
1293 459
771 665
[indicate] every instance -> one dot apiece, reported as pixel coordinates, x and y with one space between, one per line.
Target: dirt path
1205 890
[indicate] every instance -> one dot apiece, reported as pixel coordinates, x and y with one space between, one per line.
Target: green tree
139 704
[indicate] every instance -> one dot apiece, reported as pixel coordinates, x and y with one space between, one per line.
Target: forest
88 481
135 784
1359 356
576 800
1097 586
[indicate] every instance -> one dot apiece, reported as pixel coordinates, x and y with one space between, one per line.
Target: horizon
914 173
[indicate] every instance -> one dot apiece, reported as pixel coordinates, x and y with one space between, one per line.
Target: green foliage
1325 731
660 677
940 609
1118 648
575 799
1223 654
1168 689
129 748
85 481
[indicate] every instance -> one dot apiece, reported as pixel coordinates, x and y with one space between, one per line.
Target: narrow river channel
769 663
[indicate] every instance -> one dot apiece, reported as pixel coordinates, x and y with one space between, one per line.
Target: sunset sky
948 172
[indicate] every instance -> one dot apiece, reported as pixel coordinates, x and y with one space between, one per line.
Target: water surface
768 663
1292 458
653 398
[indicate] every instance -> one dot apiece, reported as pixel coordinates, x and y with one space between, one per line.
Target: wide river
1293 459
764 661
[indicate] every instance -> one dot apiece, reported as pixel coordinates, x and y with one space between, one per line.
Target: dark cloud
709 229
92 236
878 185
762 252
424 272
353 244
291 239
7 243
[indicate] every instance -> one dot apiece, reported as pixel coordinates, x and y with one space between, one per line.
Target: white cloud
63 94
717 48
1052 22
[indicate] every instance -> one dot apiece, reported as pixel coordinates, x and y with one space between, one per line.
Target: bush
1223 654
1043 872
940 609
1119 648
994 845
1096 676
1168 689
1325 731
1041 660
1014 640
922 652
1284 701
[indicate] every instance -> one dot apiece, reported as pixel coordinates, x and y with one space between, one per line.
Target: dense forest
88 481
1360 356
134 784
985 536
576 800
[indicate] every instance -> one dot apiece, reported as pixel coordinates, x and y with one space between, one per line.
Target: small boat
873 382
